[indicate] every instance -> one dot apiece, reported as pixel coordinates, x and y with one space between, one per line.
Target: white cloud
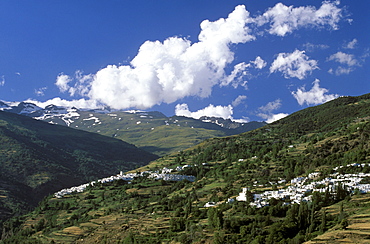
341 70
41 91
348 60
295 64
2 82
237 76
344 58
224 112
266 112
316 95
240 99
271 106
242 120
312 47
365 55
351 45
80 103
259 63
168 71
274 117
82 83
164 72
285 19
62 82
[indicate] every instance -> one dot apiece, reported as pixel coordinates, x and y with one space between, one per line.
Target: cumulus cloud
80 103
316 95
164 72
240 99
295 64
285 19
62 82
259 63
266 112
82 83
274 117
224 112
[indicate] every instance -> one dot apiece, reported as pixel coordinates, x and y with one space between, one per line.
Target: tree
341 192
177 224
344 224
130 239
215 218
250 197
219 237
312 226
323 222
303 216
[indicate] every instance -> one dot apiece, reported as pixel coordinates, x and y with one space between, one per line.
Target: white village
163 175
300 188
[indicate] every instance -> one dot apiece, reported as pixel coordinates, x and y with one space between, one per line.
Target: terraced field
358 229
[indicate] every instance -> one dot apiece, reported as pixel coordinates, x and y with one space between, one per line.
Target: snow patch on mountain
96 120
67 115
134 111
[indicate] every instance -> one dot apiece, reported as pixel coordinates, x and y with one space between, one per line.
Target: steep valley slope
38 158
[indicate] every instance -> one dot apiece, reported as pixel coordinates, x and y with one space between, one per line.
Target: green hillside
37 158
315 140
153 131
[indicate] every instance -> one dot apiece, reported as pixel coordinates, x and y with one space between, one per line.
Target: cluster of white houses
299 190
301 187
164 175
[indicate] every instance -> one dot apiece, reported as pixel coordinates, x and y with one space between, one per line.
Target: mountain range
151 131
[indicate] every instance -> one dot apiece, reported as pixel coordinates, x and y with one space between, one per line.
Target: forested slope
37 158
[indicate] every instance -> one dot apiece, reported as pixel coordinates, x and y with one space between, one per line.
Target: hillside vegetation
37 159
153 131
316 139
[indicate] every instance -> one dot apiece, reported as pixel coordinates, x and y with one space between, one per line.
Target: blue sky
244 60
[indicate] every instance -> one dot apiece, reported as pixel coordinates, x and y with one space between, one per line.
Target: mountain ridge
152 131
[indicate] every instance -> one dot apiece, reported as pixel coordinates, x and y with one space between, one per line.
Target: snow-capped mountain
67 116
23 108
151 130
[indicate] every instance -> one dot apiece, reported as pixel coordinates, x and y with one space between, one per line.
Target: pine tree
215 218
323 222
